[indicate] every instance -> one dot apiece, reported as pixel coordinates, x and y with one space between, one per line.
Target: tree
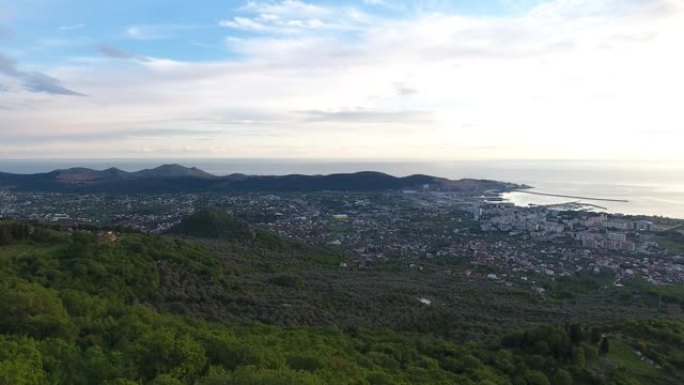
21 372
576 333
504 361
122 381
535 377
167 351
605 347
578 357
595 335
166 379
34 310
562 377
21 362
5 234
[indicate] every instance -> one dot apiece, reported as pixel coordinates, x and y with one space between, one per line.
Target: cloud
575 9
113 52
34 81
8 66
117 53
6 33
38 82
286 9
293 17
404 90
158 31
556 81
141 133
243 23
71 27
135 32
146 32
368 116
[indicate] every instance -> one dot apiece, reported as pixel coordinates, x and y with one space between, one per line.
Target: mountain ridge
178 178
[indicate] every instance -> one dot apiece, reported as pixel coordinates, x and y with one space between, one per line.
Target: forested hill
176 178
115 308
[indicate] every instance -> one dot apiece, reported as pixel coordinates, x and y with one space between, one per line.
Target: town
410 228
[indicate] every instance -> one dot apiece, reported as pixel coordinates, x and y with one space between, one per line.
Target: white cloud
243 23
71 27
155 31
567 79
287 9
134 32
369 116
292 16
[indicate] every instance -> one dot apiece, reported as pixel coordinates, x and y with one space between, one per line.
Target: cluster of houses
598 231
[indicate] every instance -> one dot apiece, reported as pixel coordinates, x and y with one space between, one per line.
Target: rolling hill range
176 178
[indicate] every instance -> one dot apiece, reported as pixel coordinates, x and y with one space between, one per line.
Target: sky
371 79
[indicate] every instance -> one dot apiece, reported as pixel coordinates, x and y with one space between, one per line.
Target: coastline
652 189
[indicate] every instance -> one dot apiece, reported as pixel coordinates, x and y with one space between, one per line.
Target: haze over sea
652 188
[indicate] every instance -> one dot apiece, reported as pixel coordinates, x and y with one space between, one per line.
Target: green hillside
213 223
91 307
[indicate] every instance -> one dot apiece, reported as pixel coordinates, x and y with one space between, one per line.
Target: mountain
177 178
172 171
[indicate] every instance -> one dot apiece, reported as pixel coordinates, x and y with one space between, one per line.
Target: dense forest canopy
92 307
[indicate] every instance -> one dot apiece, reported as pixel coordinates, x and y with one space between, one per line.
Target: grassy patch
672 246
622 352
668 293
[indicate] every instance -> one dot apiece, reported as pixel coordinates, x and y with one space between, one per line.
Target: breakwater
572 196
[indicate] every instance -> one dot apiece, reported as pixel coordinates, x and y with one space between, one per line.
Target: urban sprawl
407 227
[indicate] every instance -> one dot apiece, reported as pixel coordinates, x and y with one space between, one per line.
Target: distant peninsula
172 178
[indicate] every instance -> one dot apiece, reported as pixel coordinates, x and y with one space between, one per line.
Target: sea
649 188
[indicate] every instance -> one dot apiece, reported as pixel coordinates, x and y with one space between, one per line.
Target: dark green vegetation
276 281
81 307
214 223
672 240
176 178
